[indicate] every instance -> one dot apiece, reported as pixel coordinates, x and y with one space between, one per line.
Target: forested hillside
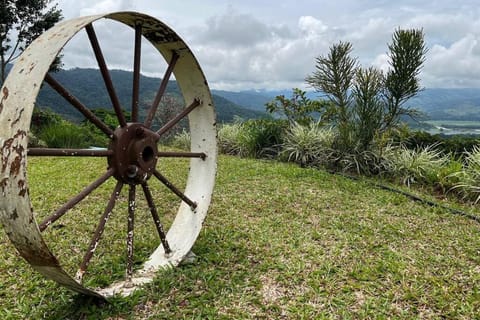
87 85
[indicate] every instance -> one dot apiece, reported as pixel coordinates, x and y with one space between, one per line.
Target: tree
368 103
21 21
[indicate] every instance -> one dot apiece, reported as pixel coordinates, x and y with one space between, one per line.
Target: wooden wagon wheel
131 157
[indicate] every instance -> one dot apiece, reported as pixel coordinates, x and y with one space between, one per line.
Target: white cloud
106 6
255 44
455 65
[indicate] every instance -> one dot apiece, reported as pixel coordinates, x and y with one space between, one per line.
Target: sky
270 45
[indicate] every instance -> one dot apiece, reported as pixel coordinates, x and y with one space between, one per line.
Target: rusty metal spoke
106 75
72 202
130 233
174 189
136 72
99 231
161 90
173 154
51 152
170 124
156 218
87 113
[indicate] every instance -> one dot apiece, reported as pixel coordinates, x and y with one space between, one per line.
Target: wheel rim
132 154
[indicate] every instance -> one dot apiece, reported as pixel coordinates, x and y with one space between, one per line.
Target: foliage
366 102
252 138
297 109
229 138
170 106
42 118
308 144
182 140
456 145
262 137
469 178
20 23
64 135
412 166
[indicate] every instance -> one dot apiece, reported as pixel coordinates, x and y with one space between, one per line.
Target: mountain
437 103
460 104
88 86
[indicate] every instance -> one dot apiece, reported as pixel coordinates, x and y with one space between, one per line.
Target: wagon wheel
131 157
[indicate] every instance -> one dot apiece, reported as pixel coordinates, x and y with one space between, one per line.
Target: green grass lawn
279 242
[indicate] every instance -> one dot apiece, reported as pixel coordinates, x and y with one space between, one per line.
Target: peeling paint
3 184
18 118
23 188
14 215
5 93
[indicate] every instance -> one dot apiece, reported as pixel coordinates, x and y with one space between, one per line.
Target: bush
469 178
308 144
228 138
262 138
252 138
415 166
456 145
182 140
65 135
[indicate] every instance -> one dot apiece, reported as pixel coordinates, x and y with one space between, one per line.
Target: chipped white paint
17 98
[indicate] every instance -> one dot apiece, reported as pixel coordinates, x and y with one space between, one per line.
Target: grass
280 242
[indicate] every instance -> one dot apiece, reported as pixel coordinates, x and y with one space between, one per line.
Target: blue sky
256 44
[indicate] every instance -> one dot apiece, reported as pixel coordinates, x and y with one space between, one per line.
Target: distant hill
436 103
88 86
449 104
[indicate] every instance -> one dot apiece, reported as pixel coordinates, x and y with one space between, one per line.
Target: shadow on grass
188 290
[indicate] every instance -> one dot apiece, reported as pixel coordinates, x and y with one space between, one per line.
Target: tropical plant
413 166
228 138
182 140
308 144
64 135
469 178
365 102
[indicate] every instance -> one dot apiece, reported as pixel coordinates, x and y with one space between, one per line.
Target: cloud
254 44
106 6
237 50
455 65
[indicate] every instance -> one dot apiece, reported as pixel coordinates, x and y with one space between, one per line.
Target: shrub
469 178
228 138
252 138
308 144
419 165
64 135
182 140
262 138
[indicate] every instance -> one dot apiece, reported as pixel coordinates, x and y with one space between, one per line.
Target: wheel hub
135 153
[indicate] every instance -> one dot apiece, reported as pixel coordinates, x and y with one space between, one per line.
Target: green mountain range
87 85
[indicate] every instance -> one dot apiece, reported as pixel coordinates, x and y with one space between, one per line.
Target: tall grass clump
469 177
229 138
64 135
421 165
308 144
181 140
252 138
263 138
